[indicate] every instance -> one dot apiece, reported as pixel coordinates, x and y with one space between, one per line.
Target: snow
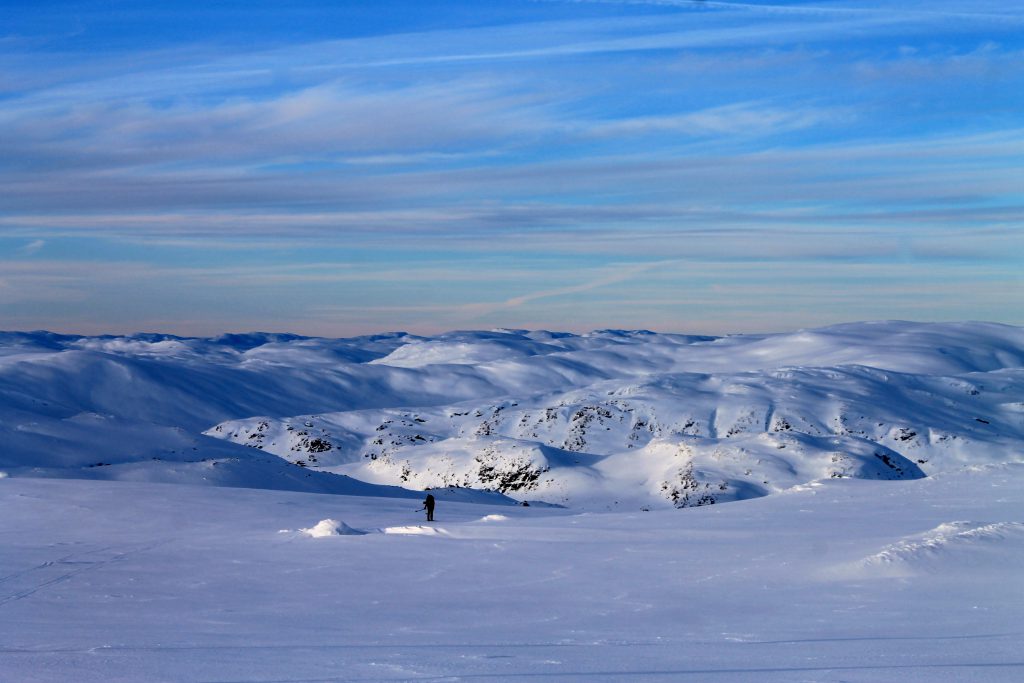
122 581
839 504
964 539
639 426
331 527
606 420
417 530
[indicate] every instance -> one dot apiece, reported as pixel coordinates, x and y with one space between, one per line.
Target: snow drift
331 527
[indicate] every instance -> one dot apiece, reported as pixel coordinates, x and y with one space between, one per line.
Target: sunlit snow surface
846 580
164 515
602 421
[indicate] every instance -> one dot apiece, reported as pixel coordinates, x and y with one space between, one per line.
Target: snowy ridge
949 541
610 418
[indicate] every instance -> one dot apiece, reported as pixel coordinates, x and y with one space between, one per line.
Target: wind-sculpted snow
331 527
607 419
960 542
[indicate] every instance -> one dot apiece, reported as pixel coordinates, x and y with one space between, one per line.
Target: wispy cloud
901 11
823 181
32 247
617 275
322 123
745 119
551 164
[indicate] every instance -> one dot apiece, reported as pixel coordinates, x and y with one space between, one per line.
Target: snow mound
331 527
493 518
969 540
415 530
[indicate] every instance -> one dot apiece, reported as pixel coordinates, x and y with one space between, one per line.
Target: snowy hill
610 419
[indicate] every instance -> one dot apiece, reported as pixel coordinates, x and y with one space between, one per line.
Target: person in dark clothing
429 505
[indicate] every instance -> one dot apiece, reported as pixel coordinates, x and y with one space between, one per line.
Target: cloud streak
32 247
548 164
903 11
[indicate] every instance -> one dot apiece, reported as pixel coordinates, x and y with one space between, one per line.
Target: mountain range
605 420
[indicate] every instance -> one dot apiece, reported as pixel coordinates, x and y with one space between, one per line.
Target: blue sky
341 168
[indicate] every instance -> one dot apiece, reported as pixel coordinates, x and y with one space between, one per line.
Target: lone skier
428 504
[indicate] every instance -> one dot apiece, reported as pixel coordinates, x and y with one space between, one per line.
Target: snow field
121 581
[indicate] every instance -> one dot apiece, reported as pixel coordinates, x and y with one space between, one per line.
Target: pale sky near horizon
342 168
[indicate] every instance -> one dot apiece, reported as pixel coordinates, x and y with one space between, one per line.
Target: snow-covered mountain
607 419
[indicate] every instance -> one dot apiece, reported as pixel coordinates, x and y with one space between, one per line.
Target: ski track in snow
62 569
